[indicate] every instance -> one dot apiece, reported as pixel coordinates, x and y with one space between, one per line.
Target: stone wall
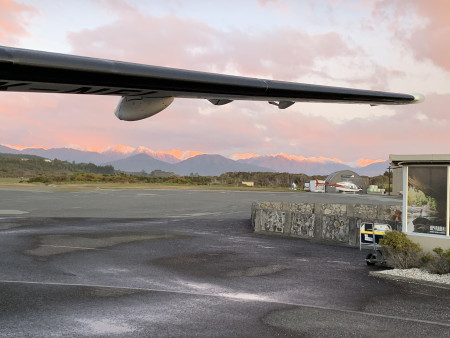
331 222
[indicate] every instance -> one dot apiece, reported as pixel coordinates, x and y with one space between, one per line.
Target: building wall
338 223
420 232
397 181
428 243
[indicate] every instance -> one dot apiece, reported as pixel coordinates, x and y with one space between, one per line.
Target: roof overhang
434 159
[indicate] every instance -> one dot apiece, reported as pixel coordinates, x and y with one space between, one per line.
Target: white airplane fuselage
346 187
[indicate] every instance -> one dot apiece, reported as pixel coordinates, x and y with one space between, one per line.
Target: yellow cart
370 235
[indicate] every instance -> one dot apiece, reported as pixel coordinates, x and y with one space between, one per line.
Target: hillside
214 165
140 162
21 165
181 162
204 165
281 163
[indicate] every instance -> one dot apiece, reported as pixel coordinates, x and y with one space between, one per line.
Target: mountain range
181 162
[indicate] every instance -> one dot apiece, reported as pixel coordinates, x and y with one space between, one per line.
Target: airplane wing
146 90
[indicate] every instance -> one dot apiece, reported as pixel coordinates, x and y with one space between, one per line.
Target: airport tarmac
171 263
54 201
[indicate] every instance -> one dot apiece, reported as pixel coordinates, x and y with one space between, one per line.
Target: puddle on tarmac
256 271
105 326
50 245
223 263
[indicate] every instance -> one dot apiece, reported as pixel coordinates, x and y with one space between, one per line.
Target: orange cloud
20 147
244 156
362 162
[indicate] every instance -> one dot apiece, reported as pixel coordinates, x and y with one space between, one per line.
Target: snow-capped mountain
184 162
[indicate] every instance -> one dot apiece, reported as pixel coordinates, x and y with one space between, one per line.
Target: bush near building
402 253
399 251
439 262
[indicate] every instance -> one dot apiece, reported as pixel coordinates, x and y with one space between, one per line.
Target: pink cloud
60 121
282 53
302 158
263 3
49 119
14 20
240 127
434 43
427 39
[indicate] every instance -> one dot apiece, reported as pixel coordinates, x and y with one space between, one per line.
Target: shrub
399 251
427 258
178 180
39 179
439 263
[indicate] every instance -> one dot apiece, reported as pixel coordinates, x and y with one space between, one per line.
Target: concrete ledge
331 222
414 279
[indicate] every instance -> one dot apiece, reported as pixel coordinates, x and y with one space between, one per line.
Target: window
427 196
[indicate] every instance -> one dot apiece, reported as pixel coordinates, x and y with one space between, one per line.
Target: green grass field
16 182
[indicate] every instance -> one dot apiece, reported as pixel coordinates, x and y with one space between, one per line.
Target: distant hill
205 165
6 150
181 162
24 165
66 154
374 169
281 163
111 154
139 162
214 165
121 152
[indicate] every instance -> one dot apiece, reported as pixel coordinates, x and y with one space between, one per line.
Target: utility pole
389 176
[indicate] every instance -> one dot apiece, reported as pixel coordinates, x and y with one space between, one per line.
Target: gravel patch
414 275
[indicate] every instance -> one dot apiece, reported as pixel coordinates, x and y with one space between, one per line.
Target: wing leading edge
146 90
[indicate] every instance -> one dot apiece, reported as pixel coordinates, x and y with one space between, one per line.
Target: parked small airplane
146 90
319 186
345 187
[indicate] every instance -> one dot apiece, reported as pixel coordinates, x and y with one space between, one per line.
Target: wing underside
24 70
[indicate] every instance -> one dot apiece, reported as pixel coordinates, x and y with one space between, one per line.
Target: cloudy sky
393 45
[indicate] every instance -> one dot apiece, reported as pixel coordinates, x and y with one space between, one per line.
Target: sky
394 45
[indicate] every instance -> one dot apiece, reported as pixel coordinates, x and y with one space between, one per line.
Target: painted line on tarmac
71 247
196 214
231 296
13 212
339 262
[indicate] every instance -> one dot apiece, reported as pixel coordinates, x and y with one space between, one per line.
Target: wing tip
418 98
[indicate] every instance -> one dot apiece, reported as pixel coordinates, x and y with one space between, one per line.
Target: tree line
37 169
12 165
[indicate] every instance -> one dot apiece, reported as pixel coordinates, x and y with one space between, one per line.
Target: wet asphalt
162 263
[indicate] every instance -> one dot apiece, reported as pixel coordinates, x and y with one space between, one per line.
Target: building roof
346 175
400 160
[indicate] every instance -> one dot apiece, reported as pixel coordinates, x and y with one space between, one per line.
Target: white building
424 182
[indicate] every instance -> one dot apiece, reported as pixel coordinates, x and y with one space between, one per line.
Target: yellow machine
370 235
